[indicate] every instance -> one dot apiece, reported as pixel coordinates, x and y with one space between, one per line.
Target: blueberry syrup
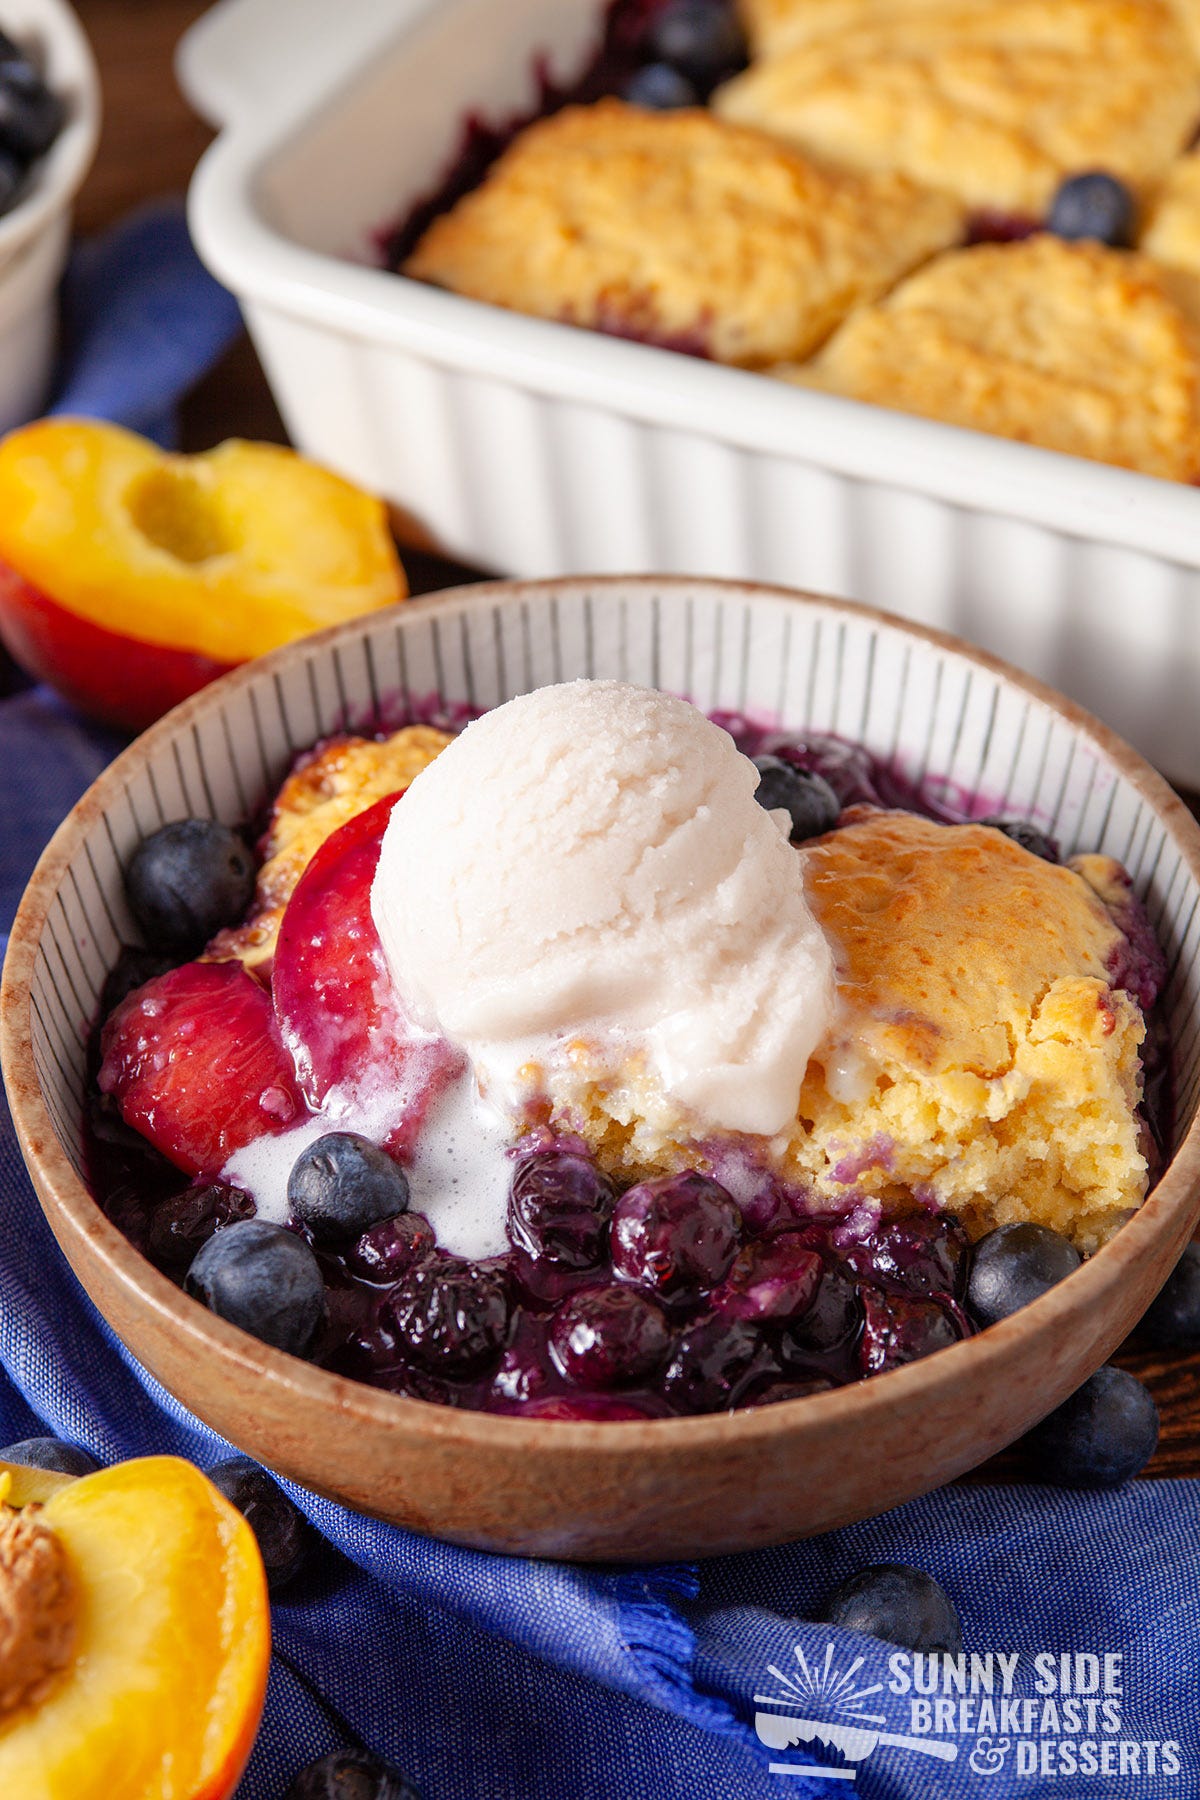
693 1294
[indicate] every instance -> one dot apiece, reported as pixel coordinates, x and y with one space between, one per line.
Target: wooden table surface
149 146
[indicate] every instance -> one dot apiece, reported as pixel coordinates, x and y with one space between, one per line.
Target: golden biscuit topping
995 100
681 230
1067 345
38 1609
948 937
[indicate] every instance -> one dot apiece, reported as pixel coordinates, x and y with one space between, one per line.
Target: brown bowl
627 1490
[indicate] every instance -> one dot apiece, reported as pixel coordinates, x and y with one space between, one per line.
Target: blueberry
678 1236
772 1278
450 1317
180 1225
559 1208
343 1184
1093 205
805 795
350 1775
700 38
390 1249
284 1534
659 88
1028 836
31 114
265 1280
1016 1264
899 1329
713 1363
187 880
1104 1435
915 1256
1173 1321
831 1321
899 1604
132 970
609 1337
51 1453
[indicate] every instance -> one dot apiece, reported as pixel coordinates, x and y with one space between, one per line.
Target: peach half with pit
129 577
134 1635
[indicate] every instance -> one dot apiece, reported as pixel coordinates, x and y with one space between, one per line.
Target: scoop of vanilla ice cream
588 862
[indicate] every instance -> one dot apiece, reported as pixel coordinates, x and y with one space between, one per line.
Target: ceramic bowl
35 234
622 1490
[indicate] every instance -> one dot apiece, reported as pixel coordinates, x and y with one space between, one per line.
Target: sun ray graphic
832 1690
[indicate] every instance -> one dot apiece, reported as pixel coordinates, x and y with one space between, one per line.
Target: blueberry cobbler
604 1060
982 211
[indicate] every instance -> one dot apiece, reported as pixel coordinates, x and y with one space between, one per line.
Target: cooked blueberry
132 969
916 1256
1094 205
450 1317
772 1278
180 1225
678 1236
1173 1321
559 1207
899 1604
31 114
343 1184
609 1337
831 1321
899 1328
807 797
1028 836
350 1775
1104 1435
284 1534
700 38
391 1248
712 1364
660 88
265 1280
1016 1264
187 880
55 1454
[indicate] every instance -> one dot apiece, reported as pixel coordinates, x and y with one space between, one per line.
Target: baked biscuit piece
680 230
1070 346
983 1057
984 1054
994 100
1171 230
336 782
775 25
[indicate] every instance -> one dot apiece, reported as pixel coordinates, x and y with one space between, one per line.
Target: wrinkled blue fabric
494 1679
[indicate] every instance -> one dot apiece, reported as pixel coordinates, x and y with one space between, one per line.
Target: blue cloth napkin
494 1679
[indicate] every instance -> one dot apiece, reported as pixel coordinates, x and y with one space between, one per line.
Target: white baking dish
537 449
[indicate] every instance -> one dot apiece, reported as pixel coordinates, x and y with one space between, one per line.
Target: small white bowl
35 236
51 33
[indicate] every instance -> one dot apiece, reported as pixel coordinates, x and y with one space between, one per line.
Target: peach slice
129 578
134 1639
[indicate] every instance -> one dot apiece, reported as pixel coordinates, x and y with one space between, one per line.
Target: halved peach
138 1639
129 578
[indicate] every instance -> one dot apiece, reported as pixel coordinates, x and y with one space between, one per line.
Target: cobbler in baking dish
603 1060
850 211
